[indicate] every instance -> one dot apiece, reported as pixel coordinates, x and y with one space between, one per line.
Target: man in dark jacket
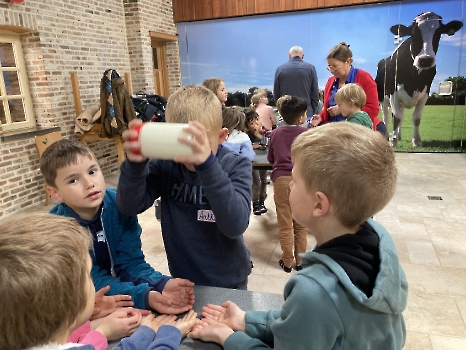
297 78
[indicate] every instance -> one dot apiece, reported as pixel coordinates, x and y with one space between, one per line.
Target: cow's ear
452 27
401 30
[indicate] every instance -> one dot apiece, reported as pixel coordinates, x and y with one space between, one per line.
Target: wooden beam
76 93
162 36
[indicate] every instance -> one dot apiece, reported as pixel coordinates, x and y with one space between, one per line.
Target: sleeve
141 339
247 151
138 186
270 156
229 194
130 259
372 100
324 113
167 338
314 90
308 319
95 339
276 87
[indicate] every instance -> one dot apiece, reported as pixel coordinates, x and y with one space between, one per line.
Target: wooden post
128 82
76 93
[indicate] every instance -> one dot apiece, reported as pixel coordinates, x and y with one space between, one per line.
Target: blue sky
246 51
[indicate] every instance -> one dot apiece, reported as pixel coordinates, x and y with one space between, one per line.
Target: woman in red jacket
340 59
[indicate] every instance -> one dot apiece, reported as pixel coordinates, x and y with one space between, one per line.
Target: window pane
7 56
2 114
11 83
17 112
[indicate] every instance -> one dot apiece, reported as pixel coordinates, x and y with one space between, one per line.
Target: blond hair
280 101
233 118
60 154
212 84
351 164
257 95
194 102
43 273
351 94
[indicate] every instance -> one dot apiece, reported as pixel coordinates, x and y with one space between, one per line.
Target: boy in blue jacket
73 176
352 290
205 196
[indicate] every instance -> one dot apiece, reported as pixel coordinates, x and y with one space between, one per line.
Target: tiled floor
430 236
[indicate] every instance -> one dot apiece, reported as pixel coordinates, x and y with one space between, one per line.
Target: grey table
246 300
260 161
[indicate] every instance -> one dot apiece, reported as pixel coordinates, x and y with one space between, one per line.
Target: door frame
159 41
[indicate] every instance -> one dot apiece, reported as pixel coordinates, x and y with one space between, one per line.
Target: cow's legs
417 114
398 115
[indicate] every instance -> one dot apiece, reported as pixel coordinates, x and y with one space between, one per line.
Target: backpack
149 108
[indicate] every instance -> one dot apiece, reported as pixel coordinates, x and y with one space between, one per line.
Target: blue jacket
324 310
123 234
203 214
297 78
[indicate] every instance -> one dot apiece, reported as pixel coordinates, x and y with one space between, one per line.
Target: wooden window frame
25 95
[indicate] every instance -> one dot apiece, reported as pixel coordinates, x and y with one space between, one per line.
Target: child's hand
199 143
316 120
105 305
186 323
155 322
132 148
210 330
229 313
164 305
180 291
333 111
120 323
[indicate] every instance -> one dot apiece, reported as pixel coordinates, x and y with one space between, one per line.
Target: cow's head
425 32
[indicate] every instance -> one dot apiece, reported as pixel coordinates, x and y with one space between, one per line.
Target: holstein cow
404 79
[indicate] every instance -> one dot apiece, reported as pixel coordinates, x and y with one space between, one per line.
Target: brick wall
85 37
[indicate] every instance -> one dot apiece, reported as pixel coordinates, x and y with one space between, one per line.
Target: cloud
252 63
196 64
360 60
454 40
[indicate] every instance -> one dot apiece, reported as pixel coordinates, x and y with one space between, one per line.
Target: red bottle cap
137 128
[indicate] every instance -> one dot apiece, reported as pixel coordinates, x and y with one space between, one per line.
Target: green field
442 128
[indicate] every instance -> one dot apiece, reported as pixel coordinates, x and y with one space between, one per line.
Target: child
280 120
352 289
73 176
259 177
290 233
237 140
217 86
350 98
259 103
205 196
46 290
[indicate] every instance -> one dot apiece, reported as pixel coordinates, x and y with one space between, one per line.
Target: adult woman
339 61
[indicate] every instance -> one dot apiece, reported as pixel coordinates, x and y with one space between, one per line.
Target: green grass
441 129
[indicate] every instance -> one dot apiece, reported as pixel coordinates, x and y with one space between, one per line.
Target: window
15 99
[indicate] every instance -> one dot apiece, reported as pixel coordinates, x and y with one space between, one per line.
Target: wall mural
409 48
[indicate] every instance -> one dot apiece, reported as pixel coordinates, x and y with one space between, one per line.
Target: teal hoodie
324 310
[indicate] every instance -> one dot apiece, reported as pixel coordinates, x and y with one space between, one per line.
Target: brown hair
195 102
341 52
353 165
351 93
257 95
233 118
59 155
43 273
280 101
250 115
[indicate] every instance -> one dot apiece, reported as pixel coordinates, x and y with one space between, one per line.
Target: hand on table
155 322
186 323
120 323
210 330
106 304
228 313
164 305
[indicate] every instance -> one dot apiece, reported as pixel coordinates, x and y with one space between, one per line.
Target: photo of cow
408 47
404 79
